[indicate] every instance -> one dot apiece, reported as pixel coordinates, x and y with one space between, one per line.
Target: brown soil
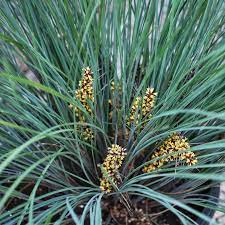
146 212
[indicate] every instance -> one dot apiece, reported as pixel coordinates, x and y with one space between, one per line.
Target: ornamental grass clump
111 112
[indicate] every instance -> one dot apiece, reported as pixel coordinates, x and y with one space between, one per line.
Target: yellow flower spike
142 106
148 101
85 95
171 145
110 167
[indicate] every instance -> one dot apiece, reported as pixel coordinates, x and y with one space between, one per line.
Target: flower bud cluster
110 167
85 95
142 107
172 149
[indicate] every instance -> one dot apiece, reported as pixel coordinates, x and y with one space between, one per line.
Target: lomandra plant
123 121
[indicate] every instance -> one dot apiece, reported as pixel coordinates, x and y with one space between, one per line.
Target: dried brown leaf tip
142 107
110 167
85 95
173 144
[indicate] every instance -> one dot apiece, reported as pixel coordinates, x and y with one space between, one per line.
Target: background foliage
177 47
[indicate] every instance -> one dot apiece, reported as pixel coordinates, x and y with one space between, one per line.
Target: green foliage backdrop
176 46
